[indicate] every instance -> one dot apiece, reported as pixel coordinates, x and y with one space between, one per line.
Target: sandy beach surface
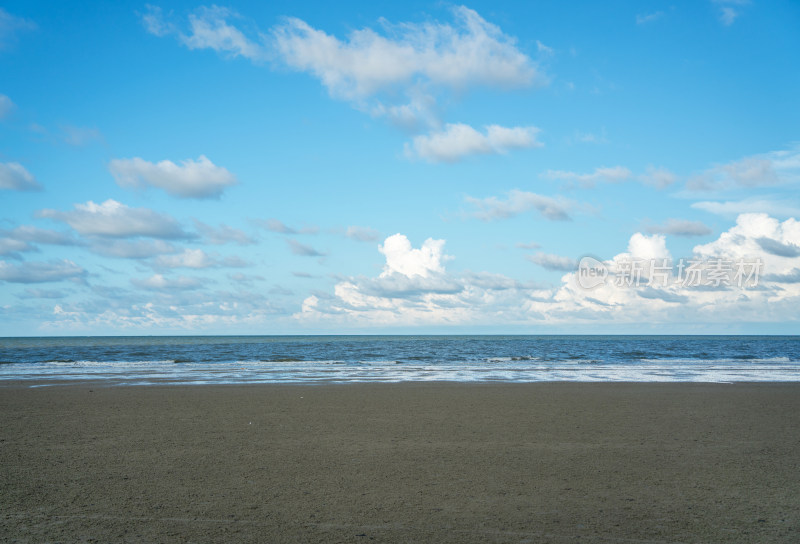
551 462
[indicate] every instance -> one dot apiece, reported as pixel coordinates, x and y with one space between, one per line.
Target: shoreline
438 461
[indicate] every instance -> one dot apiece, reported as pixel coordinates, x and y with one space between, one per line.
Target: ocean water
347 359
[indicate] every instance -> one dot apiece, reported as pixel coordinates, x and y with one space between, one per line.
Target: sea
187 360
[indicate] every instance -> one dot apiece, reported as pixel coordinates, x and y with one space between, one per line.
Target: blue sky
269 168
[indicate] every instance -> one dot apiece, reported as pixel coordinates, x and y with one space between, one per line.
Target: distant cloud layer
421 291
191 179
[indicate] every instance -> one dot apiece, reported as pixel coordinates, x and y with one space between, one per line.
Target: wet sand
401 463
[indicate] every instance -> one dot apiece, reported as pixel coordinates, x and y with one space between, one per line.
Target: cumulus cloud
403 259
458 140
781 249
113 219
191 179
14 177
432 295
40 272
764 170
680 227
493 208
553 262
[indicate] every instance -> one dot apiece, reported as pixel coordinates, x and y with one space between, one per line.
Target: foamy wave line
728 360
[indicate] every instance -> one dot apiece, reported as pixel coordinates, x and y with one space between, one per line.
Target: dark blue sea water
345 359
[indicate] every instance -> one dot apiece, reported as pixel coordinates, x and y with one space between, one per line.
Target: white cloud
42 293
222 234
160 304
80 136
116 220
22 238
458 140
29 233
11 247
362 234
729 10
613 174
303 249
188 258
749 236
131 249
275 225
41 272
397 72
553 262
6 106
732 208
210 30
649 17
14 177
431 295
518 202
153 20
767 169
658 177
403 259
589 137
680 227
197 259
192 179
158 282
10 25
472 52
543 49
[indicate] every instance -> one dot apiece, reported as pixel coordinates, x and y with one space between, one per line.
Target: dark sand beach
401 463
